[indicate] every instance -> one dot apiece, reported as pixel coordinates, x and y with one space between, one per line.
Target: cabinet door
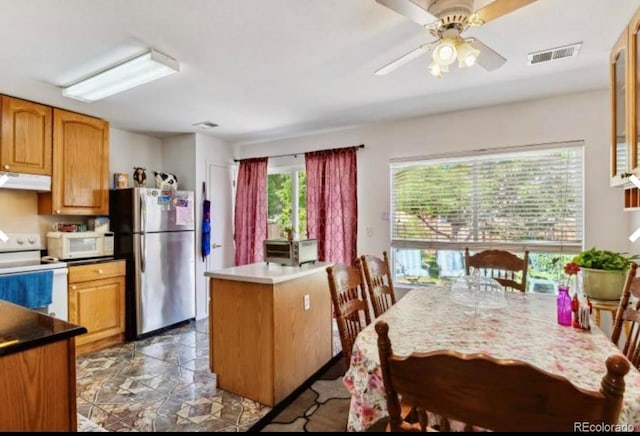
25 138
633 93
80 182
99 306
619 146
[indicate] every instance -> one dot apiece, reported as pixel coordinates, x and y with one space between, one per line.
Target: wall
128 150
583 116
18 211
178 155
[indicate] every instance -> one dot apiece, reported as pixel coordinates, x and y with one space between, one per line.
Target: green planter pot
600 284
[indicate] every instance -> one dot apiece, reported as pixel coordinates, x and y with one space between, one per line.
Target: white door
219 192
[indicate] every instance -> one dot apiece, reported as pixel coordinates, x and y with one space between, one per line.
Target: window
287 203
525 198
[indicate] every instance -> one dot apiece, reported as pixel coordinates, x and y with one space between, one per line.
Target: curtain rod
296 154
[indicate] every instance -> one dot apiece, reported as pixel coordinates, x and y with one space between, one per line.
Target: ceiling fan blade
415 10
498 8
404 59
488 58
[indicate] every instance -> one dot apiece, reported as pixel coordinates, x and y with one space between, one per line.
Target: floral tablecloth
426 320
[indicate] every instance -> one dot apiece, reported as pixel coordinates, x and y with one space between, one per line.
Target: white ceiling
265 69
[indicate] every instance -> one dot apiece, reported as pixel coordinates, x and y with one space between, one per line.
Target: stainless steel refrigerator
154 232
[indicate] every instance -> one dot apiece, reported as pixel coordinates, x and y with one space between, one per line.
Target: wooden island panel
263 343
302 339
241 343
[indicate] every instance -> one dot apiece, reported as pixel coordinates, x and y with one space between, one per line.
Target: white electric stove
21 254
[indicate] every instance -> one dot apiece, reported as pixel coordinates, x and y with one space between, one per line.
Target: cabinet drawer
96 271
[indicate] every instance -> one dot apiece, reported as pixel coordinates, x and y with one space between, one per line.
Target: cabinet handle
57 211
6 167
99 271
73 286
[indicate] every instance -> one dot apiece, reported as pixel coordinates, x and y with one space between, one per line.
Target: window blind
525 199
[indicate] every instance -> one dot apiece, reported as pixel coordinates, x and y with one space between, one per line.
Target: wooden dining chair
628 316
503 266
350 306
499 395
379 282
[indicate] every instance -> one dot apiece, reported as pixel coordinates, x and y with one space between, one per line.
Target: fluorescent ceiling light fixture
149 66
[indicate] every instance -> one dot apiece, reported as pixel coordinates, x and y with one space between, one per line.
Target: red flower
571 268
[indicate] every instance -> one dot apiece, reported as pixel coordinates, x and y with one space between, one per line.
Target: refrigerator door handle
143 213
143 252
143 219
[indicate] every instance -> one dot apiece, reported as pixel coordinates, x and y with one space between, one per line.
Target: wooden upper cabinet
619 65
80 182
25 136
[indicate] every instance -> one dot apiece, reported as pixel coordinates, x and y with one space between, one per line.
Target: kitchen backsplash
19 214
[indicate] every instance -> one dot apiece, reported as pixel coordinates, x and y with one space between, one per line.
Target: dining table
428 319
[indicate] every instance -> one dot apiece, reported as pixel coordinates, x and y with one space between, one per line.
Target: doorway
220 193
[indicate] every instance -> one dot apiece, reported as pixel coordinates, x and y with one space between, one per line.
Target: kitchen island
270 328
37 371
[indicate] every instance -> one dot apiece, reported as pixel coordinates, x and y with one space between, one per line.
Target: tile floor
162 383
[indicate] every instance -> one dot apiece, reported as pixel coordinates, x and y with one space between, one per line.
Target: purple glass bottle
564 305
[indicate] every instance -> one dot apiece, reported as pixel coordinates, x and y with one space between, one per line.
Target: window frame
533 246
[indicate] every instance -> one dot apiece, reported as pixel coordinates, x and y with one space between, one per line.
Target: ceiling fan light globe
445 52
467 55
435 69
470 60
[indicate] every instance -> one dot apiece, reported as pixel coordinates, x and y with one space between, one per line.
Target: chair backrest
501 265
629 313
499 395
350 306
377 275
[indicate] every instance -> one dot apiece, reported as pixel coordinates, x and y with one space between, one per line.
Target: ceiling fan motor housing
452 13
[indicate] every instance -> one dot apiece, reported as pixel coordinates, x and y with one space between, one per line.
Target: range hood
29 182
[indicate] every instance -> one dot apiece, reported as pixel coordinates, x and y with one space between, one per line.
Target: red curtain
250 223
332 203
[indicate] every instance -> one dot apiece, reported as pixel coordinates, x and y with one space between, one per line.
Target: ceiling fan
446 20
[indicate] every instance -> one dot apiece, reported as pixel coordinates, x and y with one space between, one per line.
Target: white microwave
79 245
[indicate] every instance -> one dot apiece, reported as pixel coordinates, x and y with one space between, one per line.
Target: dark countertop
30 329
90 261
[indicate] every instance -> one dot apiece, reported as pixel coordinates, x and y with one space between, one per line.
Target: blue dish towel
30 290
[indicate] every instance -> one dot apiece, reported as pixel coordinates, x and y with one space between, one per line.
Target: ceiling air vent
205 125
554 54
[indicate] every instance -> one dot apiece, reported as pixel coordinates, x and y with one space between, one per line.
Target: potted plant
603 273
288 230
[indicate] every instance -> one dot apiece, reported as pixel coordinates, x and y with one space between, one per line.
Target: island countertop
269 273
22 329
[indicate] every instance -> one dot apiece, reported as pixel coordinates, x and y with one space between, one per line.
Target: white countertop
267 273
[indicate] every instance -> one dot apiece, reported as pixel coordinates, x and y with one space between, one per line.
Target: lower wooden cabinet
38 391
97 302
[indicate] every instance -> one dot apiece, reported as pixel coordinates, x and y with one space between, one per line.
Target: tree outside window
283 213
